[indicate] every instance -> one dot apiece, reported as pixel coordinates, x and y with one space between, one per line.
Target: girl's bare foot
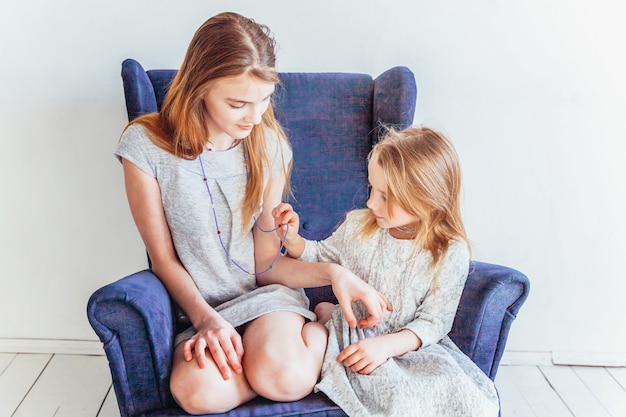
323 311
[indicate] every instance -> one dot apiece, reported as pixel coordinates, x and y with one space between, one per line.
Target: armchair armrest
492 297
133 319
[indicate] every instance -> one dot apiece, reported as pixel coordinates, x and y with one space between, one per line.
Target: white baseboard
609 359
589 358
51 346
526 358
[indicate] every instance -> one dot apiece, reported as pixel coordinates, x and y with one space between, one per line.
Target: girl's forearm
294 273
402 342
294 246
183 291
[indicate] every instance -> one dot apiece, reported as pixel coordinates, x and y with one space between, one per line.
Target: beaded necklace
219 233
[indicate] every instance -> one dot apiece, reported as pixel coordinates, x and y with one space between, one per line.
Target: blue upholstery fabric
328 119
332 120
492 296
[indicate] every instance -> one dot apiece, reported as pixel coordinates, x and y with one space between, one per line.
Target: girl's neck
402 232
221 144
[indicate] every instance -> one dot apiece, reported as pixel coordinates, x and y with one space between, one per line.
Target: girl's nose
255 115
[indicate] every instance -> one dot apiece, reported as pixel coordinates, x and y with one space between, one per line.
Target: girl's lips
245 127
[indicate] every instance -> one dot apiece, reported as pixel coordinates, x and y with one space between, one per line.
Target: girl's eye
369 193
237 106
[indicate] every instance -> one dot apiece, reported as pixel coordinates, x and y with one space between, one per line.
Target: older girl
202 176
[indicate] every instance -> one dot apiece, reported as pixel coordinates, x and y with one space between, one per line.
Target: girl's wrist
290 240
294 246
406 341
205 317
333 272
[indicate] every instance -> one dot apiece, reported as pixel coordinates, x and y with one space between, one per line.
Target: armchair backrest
332 121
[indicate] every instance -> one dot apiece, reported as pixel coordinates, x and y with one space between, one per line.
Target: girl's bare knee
203 391
282 372
197 402
196 396
286 359
283 382
315 337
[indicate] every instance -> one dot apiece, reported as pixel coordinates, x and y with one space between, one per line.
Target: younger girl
410 244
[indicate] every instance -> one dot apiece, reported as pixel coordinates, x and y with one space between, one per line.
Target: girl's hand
285 215
223 343
287 223
365 355
348 288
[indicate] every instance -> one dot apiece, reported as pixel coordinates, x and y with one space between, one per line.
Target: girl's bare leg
283 355
204 391
323 311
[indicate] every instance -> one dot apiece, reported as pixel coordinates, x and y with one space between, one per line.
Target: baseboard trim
51 346
526 358
609 359
522 358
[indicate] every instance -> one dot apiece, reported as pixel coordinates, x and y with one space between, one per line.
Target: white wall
532 93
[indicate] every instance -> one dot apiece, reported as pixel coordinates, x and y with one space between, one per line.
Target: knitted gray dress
224 282
437 379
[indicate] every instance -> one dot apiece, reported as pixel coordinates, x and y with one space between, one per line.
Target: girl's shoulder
135 135
353 222
458 249
357 216
136 146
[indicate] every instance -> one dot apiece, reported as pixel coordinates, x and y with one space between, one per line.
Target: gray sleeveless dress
224 281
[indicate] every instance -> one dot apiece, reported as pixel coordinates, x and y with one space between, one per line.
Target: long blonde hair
227 44
423 176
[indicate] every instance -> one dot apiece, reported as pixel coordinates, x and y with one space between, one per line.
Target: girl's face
379 206
234 105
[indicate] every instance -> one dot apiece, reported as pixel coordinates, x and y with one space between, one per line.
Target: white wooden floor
41 385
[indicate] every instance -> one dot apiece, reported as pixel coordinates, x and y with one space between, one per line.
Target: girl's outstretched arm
294 273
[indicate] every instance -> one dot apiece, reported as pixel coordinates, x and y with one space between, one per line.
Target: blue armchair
332 120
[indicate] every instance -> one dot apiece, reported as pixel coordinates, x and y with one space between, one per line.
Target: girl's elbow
262 280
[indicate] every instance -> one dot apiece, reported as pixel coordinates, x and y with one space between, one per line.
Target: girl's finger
200 347
220 359
188 349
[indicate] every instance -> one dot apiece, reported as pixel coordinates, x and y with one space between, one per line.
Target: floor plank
619 374
512 400
606 389
579 399
110 408
70 386
5 360
538 393
17 379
